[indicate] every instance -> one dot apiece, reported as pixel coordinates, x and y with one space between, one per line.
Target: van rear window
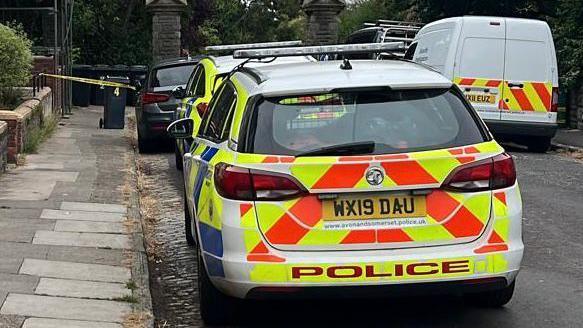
396 121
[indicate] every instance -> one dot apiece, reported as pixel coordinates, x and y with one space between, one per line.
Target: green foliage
38 135
15 63
112 32
238 21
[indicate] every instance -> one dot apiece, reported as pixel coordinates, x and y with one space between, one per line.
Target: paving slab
57 323
85 255
82 239
22 250
81 289
65 308
77 271
16 283
10 265
94 207
89 226
81 215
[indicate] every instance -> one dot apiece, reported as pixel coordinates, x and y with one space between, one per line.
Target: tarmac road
549 291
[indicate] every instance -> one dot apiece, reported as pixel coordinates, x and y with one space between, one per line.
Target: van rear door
480 68
528 72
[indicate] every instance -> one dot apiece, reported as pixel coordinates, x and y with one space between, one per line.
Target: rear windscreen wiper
351 148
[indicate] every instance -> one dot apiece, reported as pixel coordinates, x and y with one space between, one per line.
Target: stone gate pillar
323 20
165 27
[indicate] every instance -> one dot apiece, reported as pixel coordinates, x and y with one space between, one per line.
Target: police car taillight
244 184
555 100
489 174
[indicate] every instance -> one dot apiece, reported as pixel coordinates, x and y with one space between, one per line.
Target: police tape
90 81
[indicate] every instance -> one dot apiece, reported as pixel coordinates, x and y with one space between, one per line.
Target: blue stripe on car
211 238
214 266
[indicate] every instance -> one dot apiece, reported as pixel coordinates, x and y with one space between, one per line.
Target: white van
506 67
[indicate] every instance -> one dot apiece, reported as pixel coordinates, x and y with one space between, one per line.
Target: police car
338 177
207 77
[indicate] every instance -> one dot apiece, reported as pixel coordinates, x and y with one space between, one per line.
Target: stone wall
3 146
166 35
30 115
575 108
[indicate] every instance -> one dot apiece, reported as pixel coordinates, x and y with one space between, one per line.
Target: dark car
156 105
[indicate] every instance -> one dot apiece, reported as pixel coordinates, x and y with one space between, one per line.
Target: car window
433 47
172 75
200 89
194 77
220 108
397 121
411 51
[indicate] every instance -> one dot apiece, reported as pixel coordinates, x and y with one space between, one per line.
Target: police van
353 177
506 67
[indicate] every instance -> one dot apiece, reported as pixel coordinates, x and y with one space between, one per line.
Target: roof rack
254 45
342 49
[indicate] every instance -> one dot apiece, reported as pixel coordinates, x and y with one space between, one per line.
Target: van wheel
216 308
189 225
177 157
491 299
539 145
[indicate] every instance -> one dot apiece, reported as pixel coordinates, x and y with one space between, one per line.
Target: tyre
216 308
492 299
539 145
143 145
189 225
177 157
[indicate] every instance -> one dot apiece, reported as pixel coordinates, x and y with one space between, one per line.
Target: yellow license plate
481 98
373 207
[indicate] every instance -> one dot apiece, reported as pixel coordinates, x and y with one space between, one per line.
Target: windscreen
395 120
171 76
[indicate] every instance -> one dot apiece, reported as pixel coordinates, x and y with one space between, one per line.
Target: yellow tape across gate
90 81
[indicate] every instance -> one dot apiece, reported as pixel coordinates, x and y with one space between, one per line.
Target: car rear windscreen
395 120
171 76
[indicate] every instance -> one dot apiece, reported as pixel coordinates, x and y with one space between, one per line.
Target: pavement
569 137
68 245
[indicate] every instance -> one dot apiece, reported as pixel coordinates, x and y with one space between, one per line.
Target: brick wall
45 64
166 35
28 116
3 146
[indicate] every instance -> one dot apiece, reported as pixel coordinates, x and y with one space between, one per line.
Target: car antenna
345 64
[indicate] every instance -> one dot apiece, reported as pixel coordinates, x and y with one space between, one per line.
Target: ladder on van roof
403 31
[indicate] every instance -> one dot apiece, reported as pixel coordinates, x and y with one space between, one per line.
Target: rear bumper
380 291
518 128
468 272
153 125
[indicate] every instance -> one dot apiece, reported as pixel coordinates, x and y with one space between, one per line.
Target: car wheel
492 299
216 308
189 225
177 157
539 145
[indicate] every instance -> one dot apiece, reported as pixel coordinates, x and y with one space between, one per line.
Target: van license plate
373 207
481 98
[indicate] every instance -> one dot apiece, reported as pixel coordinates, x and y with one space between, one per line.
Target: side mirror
202 108
181 129
179 93
138 85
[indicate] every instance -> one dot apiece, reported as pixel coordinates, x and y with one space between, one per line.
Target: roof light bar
254 45
363 48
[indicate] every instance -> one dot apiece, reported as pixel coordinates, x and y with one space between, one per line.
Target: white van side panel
480 63
530 72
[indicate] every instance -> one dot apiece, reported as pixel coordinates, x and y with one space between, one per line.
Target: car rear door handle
516 85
